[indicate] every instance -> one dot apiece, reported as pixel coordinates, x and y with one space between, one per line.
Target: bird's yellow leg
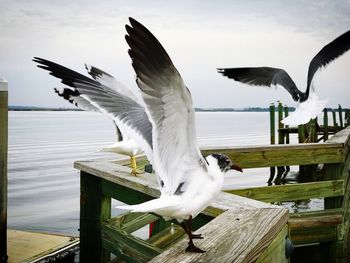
134 170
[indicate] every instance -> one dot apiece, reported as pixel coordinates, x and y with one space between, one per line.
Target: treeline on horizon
249 109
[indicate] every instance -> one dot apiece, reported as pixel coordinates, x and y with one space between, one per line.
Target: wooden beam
281 155
125 245
234 236
315 227
3 168
94 209
301 191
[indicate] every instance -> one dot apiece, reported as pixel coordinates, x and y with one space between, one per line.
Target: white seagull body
123 145
309 106
188 182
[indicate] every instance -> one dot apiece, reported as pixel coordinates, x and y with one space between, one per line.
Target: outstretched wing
130 116
109 81
326 55
73 96
169 106
263 76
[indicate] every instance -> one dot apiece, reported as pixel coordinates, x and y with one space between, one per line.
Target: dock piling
3 168
272 138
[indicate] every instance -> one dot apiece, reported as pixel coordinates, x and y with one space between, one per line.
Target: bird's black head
225 163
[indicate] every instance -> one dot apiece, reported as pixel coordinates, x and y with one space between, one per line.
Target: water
43 187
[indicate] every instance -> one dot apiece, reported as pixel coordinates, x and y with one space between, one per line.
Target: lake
43 186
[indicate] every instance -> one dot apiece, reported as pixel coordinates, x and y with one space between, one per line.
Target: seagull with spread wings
309 104
123 145
188 181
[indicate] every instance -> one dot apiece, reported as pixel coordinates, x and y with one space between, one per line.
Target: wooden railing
236 229
330 226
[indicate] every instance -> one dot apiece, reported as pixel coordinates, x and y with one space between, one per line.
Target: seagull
309 104
123 145
188 182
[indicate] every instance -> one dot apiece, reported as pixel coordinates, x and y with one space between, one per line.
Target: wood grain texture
301 191
24 246
281 155
234 236
146 184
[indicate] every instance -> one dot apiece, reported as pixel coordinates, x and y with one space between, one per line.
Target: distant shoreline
249 109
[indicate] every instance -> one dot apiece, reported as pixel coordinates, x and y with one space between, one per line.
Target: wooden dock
26 247
236 229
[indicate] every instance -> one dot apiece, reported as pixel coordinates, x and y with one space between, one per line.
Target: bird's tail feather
154 205
306 111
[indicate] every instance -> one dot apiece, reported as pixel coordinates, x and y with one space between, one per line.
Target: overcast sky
199 36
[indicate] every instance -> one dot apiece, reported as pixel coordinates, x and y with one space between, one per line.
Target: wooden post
3 168
272 138
94 208
340 110
325 124
280 169
286 113
334 118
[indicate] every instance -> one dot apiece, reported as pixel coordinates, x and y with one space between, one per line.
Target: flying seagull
188 181
309 104
123 145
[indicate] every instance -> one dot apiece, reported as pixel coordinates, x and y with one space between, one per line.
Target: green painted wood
160 225
340 111
167 237
301 134
276 251
325 124
281 155
278 193
286 113
318 213
3 168
127 244
334 118
333 172
130 222
272 123
94 209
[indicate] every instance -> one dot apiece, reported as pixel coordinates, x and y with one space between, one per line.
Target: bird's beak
236 167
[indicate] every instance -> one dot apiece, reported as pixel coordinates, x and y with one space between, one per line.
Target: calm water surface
43 192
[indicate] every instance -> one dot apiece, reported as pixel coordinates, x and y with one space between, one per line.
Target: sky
199 36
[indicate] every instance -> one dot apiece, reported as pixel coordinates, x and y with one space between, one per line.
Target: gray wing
109 81
326 55
127 113
73 96
263 76
169 105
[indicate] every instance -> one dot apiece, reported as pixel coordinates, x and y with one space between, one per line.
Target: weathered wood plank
281 155
314 229
146 184
276 251
340 137
243 239
24 246
319 221
291 192
123 244
313 235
